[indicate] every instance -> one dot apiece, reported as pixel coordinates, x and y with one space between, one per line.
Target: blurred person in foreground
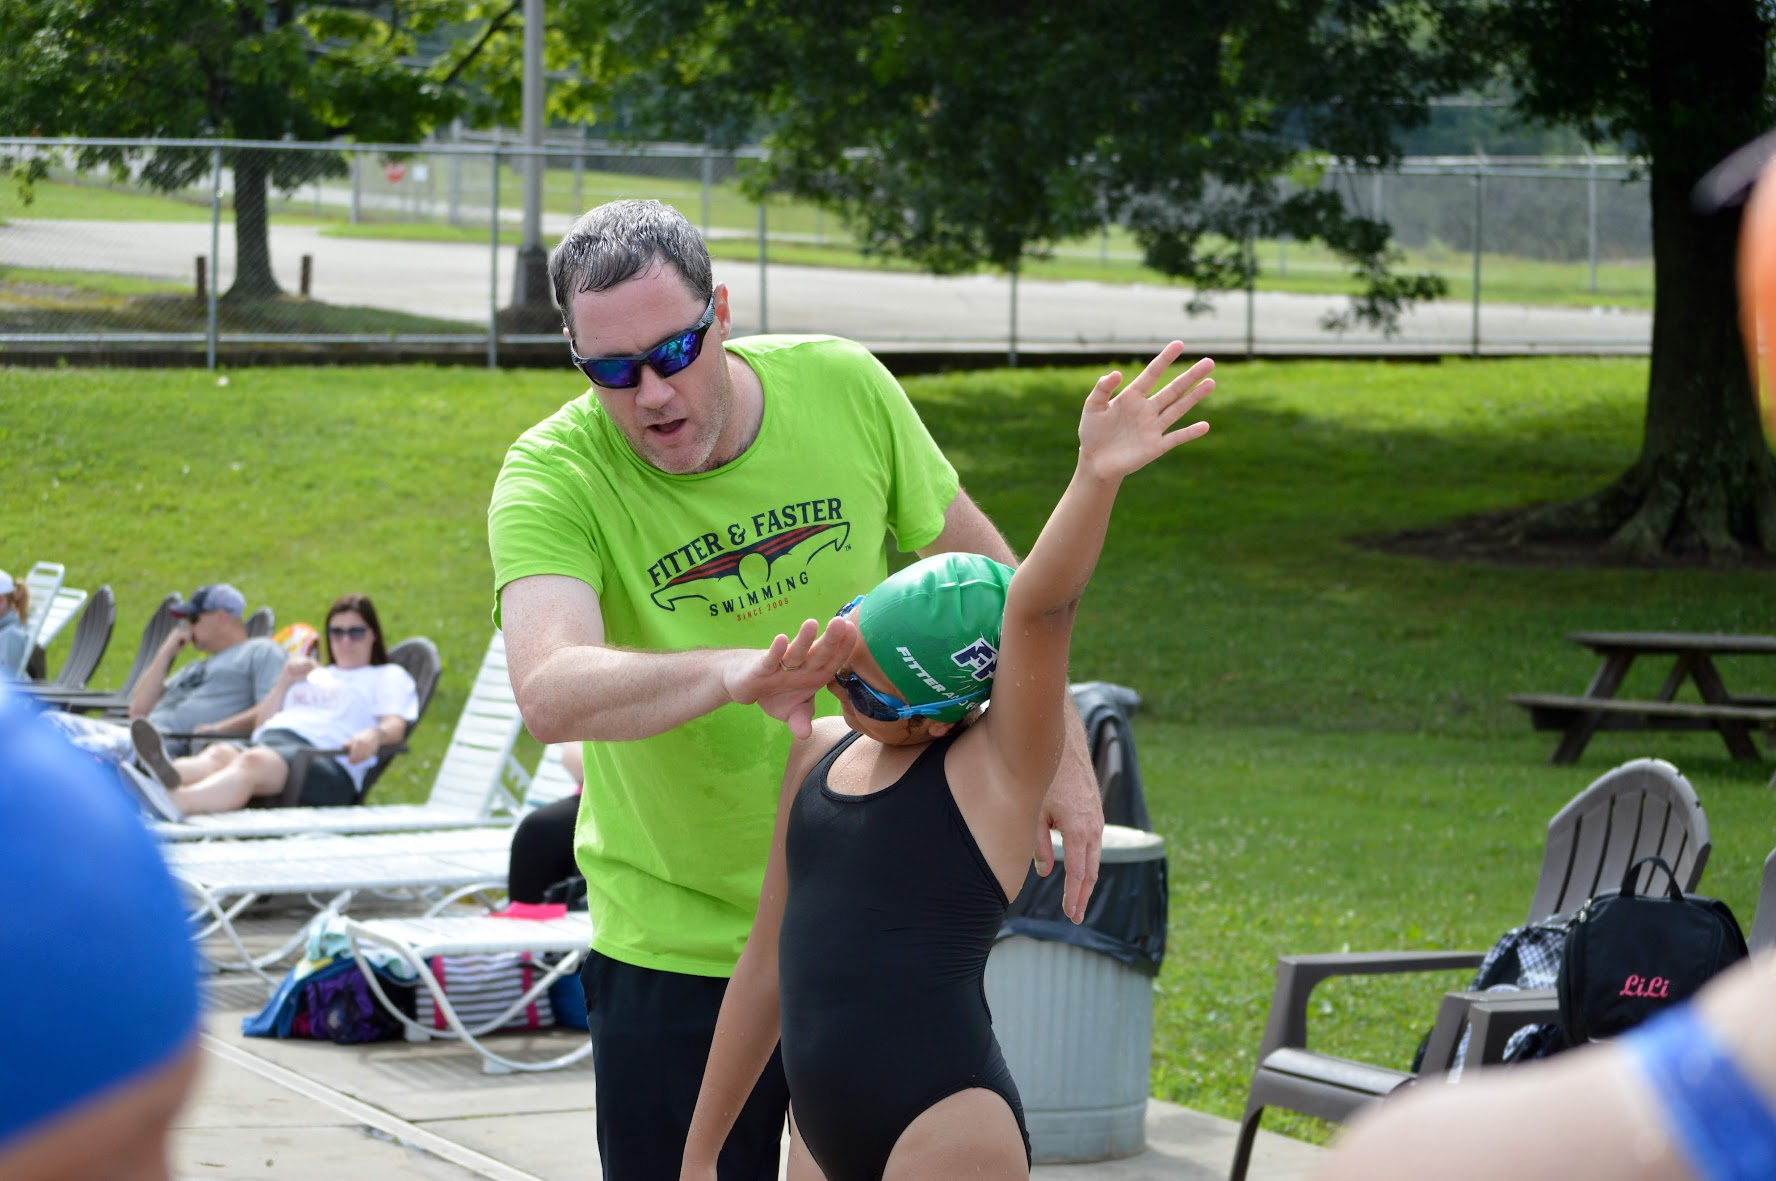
1692 1092
99 1008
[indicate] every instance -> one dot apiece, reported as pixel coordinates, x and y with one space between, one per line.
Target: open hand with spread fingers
1122 432
783 678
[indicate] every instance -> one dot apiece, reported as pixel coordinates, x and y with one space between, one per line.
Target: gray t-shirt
219 686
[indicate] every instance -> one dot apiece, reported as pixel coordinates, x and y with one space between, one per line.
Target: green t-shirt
674 830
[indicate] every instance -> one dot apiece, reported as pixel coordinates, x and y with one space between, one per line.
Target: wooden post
202 283
308 263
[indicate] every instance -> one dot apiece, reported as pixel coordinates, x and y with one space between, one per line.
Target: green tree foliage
235 69
965 134
957 135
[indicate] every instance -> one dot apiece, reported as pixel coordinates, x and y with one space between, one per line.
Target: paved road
882 309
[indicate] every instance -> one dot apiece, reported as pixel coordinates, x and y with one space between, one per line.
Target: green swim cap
934 628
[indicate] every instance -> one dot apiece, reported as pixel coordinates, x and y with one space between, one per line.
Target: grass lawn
93 301
1325 742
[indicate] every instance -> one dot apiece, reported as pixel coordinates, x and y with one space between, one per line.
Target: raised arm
1071 804
1119 433
151 685
295 669
571 685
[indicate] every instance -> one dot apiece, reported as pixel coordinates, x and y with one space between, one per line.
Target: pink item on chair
536 911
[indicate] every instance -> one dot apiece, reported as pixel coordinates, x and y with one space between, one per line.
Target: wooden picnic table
1733 716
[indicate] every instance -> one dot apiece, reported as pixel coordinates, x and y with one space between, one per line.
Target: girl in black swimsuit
904 830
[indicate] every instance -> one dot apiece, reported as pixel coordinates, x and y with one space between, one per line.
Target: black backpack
1629 955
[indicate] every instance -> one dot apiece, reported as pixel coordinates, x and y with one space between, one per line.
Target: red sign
395 173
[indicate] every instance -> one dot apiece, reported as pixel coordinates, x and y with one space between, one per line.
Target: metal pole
215 252
530 282
532 103
1011 344
1251 296
1591 213
1282 255
456 174
764 318
493 227
357 186
579 174
708 182
1479 226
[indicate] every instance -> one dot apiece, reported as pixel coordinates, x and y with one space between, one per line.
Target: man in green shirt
702 497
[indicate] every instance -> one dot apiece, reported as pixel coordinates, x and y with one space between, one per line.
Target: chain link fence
197 247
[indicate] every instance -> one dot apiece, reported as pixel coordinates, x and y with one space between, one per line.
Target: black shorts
651 1033
329 784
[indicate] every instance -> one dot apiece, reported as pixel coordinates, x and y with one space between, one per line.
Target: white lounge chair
64 606
551 781
563 941
225 877
477 779
43 581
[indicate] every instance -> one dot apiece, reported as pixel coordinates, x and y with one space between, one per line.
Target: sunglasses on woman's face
676 352
880 706
347 633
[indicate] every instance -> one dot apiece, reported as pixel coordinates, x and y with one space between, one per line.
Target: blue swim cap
100 984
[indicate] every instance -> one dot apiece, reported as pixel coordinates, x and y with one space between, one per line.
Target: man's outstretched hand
783 678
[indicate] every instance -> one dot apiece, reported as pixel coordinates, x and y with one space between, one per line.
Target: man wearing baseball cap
212 695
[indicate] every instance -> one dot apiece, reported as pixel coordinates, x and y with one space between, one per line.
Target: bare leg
206 762
259 771
970 1134
801 1165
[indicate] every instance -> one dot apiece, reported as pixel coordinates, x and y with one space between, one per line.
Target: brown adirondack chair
92 635
115 702
1641 808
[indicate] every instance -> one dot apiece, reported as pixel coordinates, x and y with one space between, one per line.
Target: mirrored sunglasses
678 351
347 633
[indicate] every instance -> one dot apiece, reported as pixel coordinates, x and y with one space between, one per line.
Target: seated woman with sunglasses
903 831
356 702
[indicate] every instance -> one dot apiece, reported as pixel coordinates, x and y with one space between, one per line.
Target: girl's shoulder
827 733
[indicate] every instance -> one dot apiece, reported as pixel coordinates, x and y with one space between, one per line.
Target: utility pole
532 309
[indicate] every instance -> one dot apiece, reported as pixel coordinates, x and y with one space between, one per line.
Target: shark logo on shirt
734 574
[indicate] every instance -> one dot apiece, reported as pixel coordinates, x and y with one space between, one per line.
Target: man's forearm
152 683
239 723
613 694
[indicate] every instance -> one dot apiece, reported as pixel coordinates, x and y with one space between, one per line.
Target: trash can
1073 1004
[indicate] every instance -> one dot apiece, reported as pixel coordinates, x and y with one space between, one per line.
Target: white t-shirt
334 703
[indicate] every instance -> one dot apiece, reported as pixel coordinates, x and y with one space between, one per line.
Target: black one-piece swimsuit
891 912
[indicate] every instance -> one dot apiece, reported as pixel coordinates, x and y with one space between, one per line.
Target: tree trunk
252 230
1704 481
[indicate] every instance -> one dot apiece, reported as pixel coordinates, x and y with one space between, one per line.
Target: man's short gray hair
623 239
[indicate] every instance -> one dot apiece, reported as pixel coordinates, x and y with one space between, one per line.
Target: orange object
298 639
